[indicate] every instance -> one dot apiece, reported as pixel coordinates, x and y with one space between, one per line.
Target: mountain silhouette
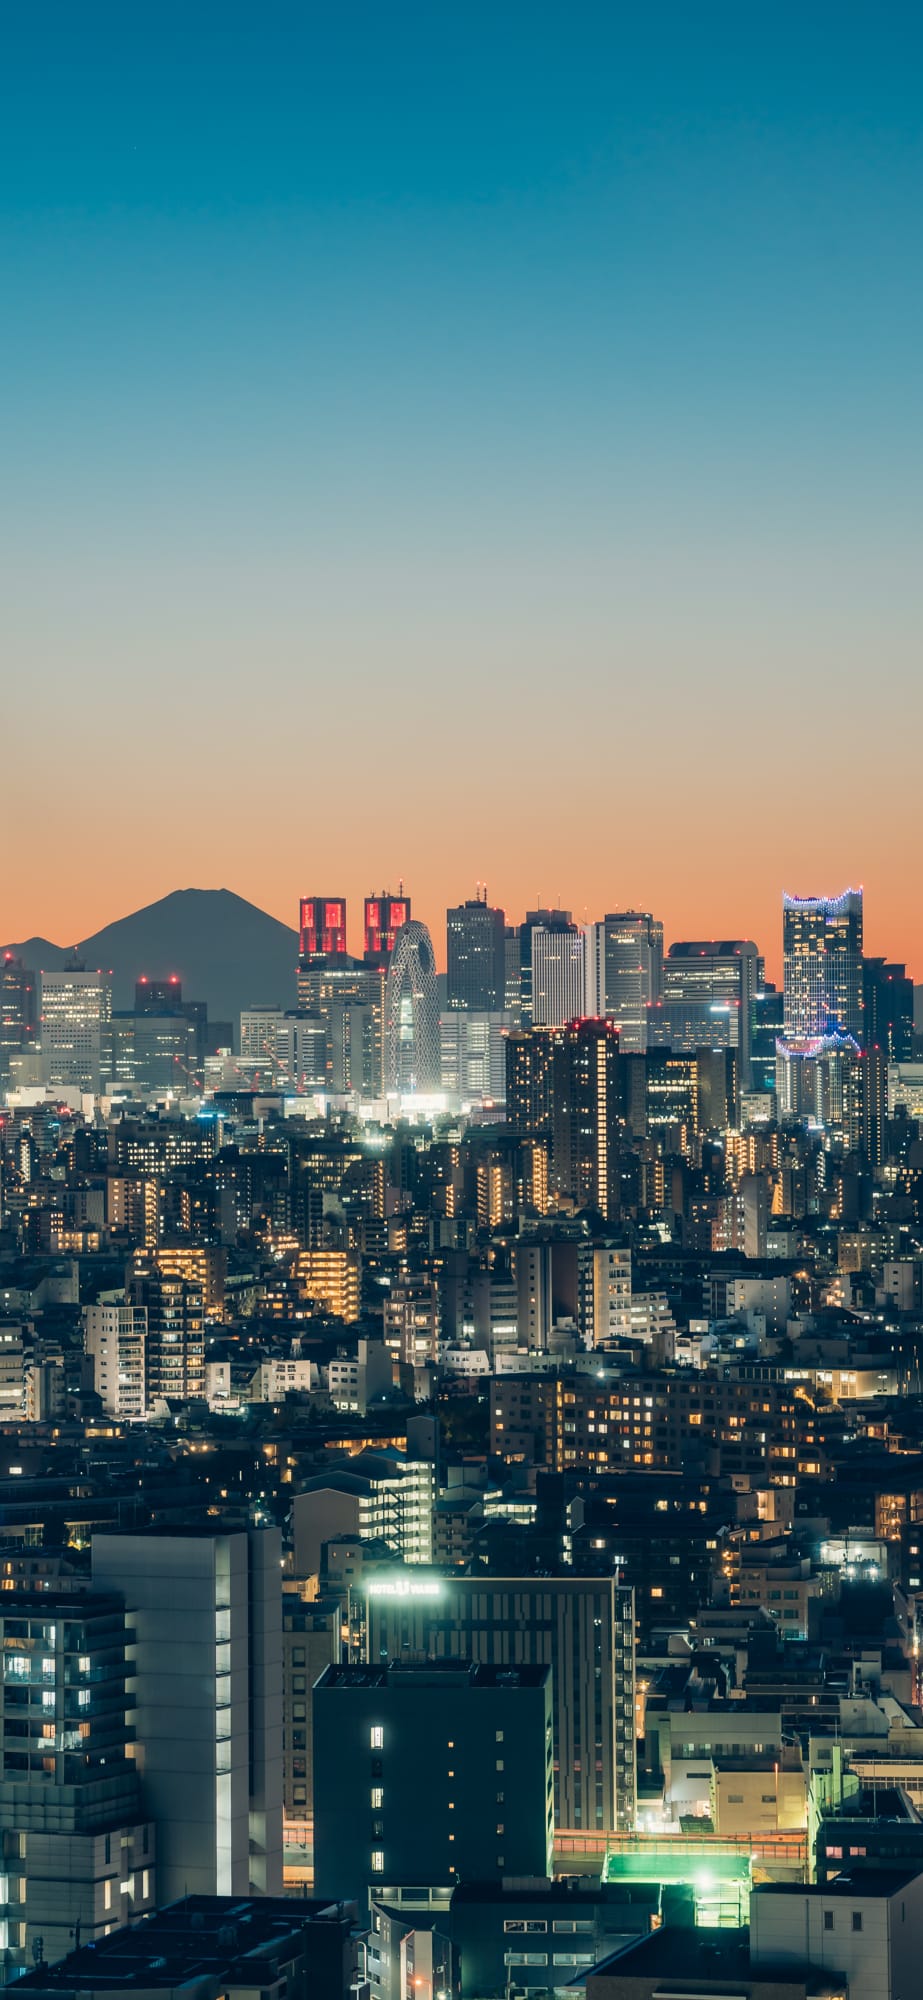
226 951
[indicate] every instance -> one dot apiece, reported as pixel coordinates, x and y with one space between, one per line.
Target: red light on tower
322 925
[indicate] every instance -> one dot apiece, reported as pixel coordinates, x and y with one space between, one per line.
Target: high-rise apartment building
583 1628
384 916
476 957
76 1008
431 1772
78 1845
413 1057
322 927
175 1341
822 954
204 1609
624 973
585 1114
115 1341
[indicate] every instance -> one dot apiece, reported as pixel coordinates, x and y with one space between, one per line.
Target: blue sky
466 391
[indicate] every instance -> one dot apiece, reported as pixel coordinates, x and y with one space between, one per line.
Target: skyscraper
76 1011
585 1115
17 1010
322 926
384 916
476 957
413 1056
709 992
624 973
555 990
822 957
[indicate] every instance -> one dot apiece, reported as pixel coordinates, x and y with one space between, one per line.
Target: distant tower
476 957
322 926
822 954
412 1046
384 916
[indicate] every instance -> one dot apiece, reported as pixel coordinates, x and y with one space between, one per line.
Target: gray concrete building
204 1610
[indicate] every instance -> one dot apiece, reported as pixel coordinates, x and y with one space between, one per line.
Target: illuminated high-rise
412 1049
476 957
624 973
384 916
822 960
17 1010
322 926
709 993
76 1012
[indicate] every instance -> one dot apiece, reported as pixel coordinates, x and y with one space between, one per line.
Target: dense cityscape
461 1463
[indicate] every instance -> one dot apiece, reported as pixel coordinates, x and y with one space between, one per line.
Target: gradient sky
454 441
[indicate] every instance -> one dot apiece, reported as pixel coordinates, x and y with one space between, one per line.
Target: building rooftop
865 1882
434 1673
704 1960
200 1938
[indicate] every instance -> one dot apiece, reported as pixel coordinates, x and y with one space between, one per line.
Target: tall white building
624 973
76 1009
205 1621
115 1340
558 975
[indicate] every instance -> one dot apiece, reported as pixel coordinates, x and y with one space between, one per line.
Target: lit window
378 1861
376 1736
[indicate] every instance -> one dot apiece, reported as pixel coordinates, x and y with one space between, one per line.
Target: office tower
473 1054
384 917
175 1340
115 1342
76 1008
888 997
768 1026
429 1773
158 996
348 995
822 954
583 1628
284 1047
557 972
17 1011
585 1111
624 973
512 975
78 1846
709 992
411 1032
204 1610
821 1084
558 922
322 927
476 957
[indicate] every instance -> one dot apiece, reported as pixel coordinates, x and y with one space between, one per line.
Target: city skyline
767 937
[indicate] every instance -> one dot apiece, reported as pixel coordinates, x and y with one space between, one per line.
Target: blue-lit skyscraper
822 957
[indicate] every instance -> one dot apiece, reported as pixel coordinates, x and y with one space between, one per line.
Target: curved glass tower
412 1051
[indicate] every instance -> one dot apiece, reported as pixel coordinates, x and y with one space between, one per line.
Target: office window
376 1736
378 1796
378 1861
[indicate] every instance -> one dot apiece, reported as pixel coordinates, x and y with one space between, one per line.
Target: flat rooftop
201 1937
410 1675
